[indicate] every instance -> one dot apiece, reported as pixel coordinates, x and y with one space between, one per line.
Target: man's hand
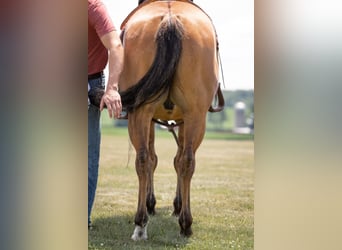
112 99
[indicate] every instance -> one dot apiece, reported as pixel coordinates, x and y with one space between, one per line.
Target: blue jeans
94 140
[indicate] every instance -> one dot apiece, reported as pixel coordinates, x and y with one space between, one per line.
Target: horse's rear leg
186 169
142 164
150 199
193 135
177 202
141 217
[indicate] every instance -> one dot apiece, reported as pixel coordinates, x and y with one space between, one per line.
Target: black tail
159 77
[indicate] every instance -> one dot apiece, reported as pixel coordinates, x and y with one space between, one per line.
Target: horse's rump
168 39
170 54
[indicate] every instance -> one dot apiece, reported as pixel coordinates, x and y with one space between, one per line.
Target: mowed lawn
222 197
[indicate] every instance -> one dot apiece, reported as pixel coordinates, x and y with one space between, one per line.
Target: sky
234 23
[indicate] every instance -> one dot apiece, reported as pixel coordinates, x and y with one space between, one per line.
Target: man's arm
112 97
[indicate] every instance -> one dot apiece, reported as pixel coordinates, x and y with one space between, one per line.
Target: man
104 46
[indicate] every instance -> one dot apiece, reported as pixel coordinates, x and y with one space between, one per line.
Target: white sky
234 22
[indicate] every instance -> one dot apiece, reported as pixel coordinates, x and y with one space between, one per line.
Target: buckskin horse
170 74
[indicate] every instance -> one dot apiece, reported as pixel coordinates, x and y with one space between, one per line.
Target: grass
221 196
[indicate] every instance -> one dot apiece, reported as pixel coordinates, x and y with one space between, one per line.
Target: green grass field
222 196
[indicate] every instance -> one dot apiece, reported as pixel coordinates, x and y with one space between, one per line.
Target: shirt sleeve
99 18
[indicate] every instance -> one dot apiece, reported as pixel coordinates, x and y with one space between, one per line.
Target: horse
170 73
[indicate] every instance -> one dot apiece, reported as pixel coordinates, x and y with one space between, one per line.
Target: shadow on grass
115 232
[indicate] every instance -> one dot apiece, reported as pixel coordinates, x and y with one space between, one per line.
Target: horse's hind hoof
140 233
151 211
186 232
175 213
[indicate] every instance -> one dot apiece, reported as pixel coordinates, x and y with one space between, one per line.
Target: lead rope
129 152
221 67
170 127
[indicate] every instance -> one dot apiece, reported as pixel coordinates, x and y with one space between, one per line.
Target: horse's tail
159 77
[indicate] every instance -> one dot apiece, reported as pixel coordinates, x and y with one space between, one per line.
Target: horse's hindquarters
170 73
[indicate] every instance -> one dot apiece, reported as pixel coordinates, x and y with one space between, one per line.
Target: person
104 47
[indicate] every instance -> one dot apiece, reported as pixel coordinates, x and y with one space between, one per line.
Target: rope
221 67
170 127
129 152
